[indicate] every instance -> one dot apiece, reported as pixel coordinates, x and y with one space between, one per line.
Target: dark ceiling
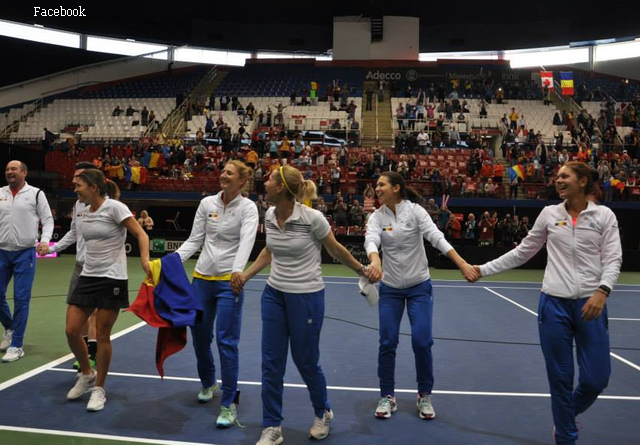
307 25
462 26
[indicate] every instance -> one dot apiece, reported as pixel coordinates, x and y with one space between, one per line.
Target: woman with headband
293 299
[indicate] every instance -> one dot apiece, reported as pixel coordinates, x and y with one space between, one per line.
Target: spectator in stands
152 117
563 157
116 111
513 119
48 140
499 95
200 150
145 221
507 231
453 228
490 189
522 124
356 214
369 97
454 136
209 166
483 109
190 163
546 94
486 228
335 179
400 116
224 102
523 229
307 174
130 111
279 120
340 212
470 227
336 125
144 116
351 110
262 207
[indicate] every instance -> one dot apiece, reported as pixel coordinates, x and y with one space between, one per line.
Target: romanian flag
167 303
516 170
153 163
135 175
566 81
546 78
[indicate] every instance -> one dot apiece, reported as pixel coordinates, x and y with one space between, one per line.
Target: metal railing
175 124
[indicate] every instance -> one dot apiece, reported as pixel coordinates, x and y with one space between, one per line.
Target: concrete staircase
376 124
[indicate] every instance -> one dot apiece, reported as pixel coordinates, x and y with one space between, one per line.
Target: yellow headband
284 181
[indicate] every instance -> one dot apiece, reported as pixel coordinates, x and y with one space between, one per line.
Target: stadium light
38 33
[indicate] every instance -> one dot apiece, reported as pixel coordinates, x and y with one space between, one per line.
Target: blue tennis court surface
490 380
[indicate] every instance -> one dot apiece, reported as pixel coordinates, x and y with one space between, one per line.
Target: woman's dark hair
406 192
85 165
582 170
97 178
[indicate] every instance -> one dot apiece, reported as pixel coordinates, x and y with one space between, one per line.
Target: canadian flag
546 78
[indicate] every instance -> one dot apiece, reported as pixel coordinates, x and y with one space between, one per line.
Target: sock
86 339
93 349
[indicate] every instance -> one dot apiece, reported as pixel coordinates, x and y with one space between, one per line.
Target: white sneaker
386 407
84 382
425 407
13 354
6 340
271 435
321 427
97 400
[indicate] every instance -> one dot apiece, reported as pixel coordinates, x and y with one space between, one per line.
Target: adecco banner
405 75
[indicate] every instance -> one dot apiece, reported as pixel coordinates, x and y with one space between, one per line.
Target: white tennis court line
46 367
98 436
539 283
463 286
350 388
616 356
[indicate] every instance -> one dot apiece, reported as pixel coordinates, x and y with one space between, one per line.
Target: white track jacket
580 258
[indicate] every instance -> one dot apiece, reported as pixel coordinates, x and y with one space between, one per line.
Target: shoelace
97 394
227 414
272 434
385 404
425 403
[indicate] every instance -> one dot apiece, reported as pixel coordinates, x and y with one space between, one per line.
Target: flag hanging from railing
546 78
566 82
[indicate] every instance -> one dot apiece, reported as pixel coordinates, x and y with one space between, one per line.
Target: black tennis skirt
100 292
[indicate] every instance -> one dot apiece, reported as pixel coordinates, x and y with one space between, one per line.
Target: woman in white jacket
583 264
225 227
398 227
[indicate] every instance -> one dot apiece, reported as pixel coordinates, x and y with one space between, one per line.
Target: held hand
469 272
147 269
594 306
373 272
238 279
42 249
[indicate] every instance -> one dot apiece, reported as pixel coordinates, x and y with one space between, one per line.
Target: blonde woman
225 228
293 300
